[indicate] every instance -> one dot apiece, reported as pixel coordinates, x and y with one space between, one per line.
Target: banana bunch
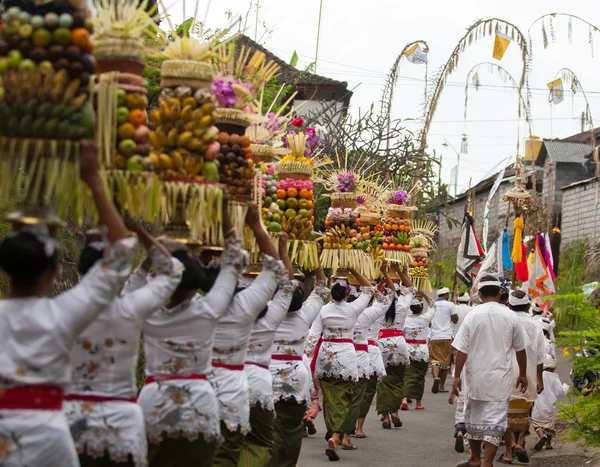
401 238
336 239
183 131
377 252
419 271
298 227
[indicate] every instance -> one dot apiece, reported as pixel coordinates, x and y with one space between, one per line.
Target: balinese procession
232 235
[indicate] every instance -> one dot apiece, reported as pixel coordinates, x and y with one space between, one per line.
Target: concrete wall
581 212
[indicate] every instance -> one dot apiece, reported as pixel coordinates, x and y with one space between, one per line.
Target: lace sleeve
252 300
279 306
321 290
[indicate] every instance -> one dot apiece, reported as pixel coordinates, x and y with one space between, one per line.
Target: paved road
425 440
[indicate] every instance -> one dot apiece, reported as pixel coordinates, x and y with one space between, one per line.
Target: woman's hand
89 161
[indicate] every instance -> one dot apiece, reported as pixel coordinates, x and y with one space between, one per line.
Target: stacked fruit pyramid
295 202
344 247
121 102
421 243
45 69
397 228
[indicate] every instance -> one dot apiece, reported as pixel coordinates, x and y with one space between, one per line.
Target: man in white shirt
440 341
521 403
485 344
462 310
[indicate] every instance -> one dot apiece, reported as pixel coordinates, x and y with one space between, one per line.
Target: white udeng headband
42 234
416 302
515 301
341 282
495 283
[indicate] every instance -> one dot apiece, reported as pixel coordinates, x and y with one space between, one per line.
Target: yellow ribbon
517 251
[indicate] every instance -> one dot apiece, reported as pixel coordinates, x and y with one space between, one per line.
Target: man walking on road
440 343
485 344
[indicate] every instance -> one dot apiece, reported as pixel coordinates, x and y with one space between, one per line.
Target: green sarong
389 391
367 400
358 392
87 461
337 397
228 454
258 445
414 380
180 452
288 433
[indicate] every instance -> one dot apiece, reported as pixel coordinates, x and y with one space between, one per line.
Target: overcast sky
360 40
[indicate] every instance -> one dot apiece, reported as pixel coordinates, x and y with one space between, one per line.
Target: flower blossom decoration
398 198
345 182
312 141
361 200
231 93
298 122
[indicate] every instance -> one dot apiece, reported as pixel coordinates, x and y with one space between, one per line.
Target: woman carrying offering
416 331
106 422
291 378
259 443
394 352
179 404
231 344
39 333
335 360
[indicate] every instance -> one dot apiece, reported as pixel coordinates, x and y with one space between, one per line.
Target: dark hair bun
338 292
23 257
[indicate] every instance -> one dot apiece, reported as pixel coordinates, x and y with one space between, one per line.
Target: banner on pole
557 92
416 55
488 206
501 43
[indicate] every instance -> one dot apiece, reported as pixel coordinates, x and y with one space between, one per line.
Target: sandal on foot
459 444
331 451
404 407
386 425
422 407
540 444
310 427
396 421
349 448
436 386
521 454
502 460
361 436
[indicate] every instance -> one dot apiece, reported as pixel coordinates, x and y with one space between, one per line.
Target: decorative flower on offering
45 69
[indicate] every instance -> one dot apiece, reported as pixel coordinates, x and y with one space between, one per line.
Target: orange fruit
420 263
81 38
415 264
387 227
281 193
312 219
385 246
304 193
358 221
126 131
292 192
310 204
138 117
399 247
394 227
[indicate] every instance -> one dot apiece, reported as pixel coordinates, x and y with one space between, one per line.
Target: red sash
94 398
313 364
34 397
412 341
159 378
265 367
227 366
383 333
361 347
373 343
287 358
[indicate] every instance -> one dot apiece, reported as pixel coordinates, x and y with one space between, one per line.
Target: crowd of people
236 366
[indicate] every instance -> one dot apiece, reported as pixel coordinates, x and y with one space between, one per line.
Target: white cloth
442 326
292 378
545 409
104 361
372 314
416 328
489 335
38 335
375 359
179 340
260 381
486 420
336 321
462 310
230 344
536 355
394 350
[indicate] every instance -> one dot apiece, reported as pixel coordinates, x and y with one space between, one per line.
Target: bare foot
360 434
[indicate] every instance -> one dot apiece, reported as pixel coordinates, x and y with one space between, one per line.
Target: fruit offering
46 65
234 166
374 233
294 212
183 139
396 234
343 227
420 247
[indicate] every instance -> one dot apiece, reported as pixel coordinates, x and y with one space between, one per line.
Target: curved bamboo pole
554 15
479 29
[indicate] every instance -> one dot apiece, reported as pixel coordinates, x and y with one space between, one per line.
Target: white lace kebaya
178 400
416 333
38 335
101 403
258 357
336 357
231 344
291 377
394 350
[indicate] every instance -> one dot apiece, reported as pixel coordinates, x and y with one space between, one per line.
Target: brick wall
581 212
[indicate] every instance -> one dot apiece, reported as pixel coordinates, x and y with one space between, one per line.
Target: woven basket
117 54
419 251
344 200
295 171
262 153
187 69
235 117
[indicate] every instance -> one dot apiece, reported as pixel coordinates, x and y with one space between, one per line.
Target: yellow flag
501 43
557 92
416 55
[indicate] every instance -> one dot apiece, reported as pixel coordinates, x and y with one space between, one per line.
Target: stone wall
581 212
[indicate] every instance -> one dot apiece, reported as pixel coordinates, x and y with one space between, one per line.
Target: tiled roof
560 151
584 137
290 74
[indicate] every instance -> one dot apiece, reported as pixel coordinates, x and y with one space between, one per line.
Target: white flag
416 55
557 92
